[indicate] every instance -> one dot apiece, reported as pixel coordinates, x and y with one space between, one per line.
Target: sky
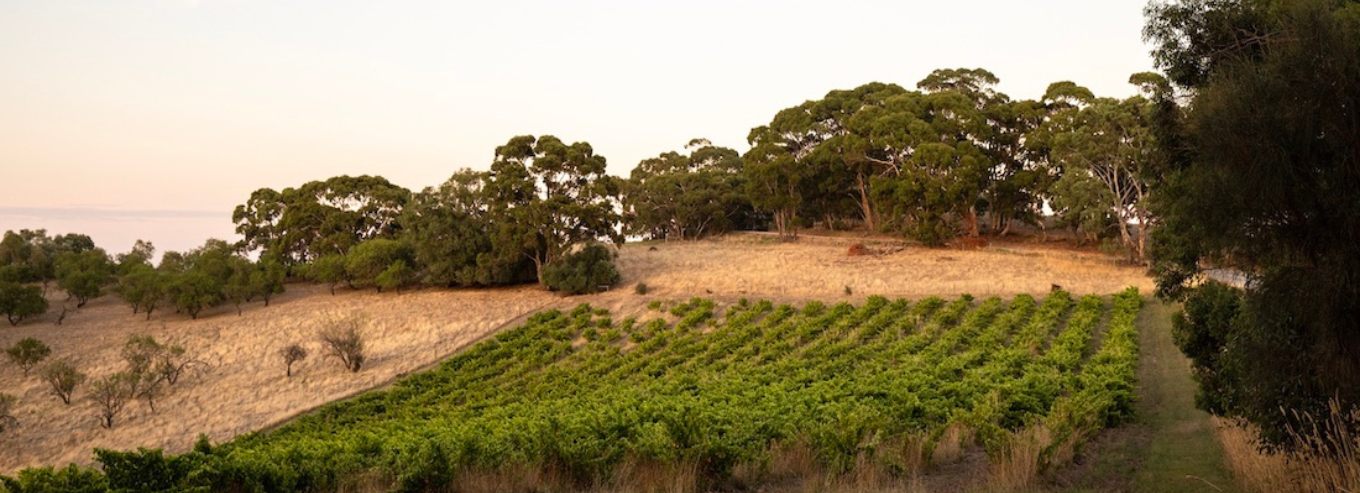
152 119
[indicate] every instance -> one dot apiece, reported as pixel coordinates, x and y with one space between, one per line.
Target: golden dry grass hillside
246 389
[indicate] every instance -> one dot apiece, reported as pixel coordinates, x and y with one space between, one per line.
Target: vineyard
576 399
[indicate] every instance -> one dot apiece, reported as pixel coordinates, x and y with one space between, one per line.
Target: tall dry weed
1017 466
1309 470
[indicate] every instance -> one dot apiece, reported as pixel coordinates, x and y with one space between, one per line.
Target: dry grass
1304 471
247 390
1017 467
951 444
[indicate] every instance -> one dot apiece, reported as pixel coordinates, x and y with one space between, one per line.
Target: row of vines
579 394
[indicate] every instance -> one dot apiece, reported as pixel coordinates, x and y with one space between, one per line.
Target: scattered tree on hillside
111 395
84 274
63 378
27 353
291 354
268 277
142 287
19 302
342 338
30 255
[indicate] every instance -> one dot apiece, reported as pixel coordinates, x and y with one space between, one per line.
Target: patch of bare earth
246 389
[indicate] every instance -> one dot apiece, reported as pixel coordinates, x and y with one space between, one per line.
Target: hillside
246 388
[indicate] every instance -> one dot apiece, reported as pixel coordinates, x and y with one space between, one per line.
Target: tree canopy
1264 179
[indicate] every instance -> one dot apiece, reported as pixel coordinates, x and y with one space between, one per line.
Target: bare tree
292 354
342 338
111 394
63 378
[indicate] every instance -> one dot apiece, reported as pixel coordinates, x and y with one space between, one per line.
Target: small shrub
641 288
7 419
292 354
849 291
589 270
655 305
63 378
341 338
27 353
111 394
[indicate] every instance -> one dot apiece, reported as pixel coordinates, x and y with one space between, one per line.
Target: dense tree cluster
1262 175
677 196
933 163
541 198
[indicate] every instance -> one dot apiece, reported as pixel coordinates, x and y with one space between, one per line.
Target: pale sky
129 119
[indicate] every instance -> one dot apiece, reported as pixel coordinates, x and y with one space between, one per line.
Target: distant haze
152 119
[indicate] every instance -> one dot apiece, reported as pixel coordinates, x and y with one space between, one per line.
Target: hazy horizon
152 119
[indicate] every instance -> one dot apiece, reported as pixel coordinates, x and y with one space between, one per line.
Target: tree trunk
866 208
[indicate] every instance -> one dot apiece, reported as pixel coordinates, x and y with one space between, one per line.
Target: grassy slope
1172 447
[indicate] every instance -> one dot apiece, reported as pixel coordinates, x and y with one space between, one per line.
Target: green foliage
63 378
27 353
84 274
843 379
18 302
394 276
544 197
143 287
267 279
30 255
674 196
150 471
329 269
1264 183
373 259
196 290
589 270
321 217
448 228
72 479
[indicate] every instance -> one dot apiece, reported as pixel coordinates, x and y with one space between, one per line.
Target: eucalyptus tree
320 217
689 196
545 196
1105 151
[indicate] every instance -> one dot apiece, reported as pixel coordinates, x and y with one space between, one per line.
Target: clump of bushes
589 270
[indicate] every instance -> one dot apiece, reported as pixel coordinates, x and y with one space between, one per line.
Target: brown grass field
246 389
